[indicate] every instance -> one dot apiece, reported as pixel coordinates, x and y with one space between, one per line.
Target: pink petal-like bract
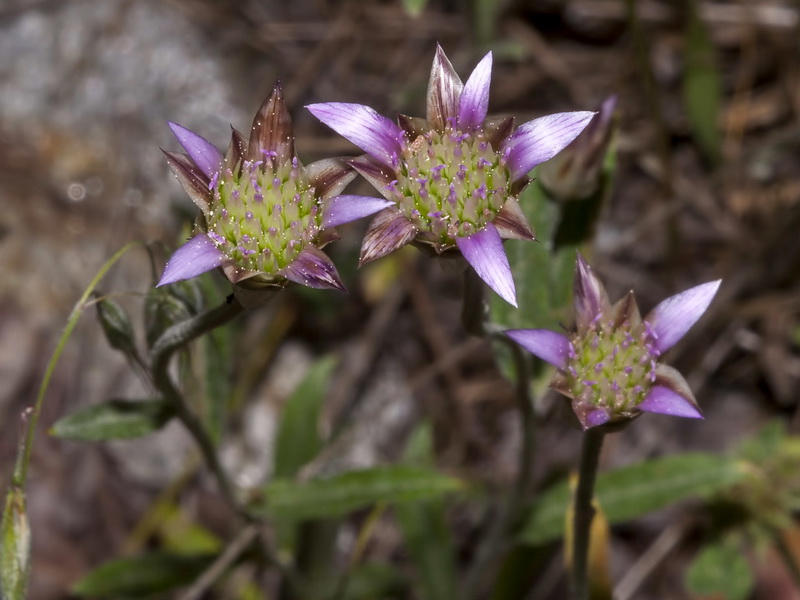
204 154
474 103
194 258
378 175
589 297
541 139
665 401
329 176
512 223
444 92
346 208
673 317
271 133
484 251
387 232
314 269
373 133
550 346
192 179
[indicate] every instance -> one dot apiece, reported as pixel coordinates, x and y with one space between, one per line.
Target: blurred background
707 186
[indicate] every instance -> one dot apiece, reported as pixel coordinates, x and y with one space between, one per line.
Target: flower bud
575 172
15 547
116 326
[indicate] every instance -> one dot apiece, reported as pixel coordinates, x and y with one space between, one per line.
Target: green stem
31 415
174 338
788 559
583 512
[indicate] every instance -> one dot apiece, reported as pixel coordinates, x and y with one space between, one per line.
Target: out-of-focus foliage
344 493
142 576
720 568
634 491
114 420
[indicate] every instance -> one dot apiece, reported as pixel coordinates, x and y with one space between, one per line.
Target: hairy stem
583 512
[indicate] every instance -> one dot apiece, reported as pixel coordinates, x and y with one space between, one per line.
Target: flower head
609 367
453 178
264 215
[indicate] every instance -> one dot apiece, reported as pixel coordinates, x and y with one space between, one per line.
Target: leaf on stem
344 493
114 420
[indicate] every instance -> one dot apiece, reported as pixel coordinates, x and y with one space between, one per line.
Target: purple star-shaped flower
453 178
265 215
609 367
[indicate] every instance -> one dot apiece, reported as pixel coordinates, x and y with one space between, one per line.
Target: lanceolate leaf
298 442
142 576
634 491
114 420
298 435
341 494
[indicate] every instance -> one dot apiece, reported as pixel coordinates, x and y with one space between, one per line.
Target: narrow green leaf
15 547
341 494
142 575
297 443
634 491
701 85
720 569
298 440
114 420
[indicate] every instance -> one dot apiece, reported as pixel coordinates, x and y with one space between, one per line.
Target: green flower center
263 215
612 367
450 183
